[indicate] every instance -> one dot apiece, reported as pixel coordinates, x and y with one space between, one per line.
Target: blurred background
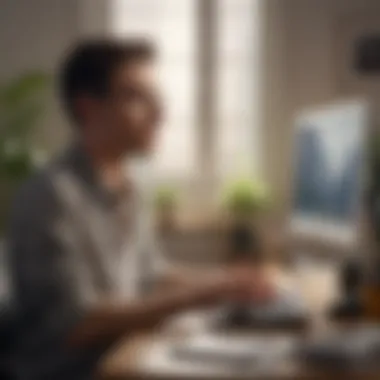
239 78
235 75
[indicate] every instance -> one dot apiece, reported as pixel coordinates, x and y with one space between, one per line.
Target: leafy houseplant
166 202
244 199
22 105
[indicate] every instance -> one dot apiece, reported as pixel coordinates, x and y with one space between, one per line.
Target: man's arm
179 276
51 284
108 322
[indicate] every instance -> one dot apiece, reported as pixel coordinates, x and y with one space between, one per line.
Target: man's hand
251 285
236 285
109 322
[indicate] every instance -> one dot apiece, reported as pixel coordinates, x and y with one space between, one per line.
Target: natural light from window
174 25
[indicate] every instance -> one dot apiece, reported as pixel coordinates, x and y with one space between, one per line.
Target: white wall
34 34
350 23
298 74
304 56
309 60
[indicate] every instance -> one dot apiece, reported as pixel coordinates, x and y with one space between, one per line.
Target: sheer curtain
171 24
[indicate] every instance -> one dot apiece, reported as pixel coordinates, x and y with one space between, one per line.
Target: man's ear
87 108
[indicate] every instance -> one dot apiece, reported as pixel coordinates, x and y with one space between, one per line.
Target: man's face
130 114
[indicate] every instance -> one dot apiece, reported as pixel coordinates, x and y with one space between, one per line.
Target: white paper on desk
159 359
232 351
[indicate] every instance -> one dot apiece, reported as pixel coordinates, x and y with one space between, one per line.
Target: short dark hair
90 65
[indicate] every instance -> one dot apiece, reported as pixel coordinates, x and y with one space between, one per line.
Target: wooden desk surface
129 359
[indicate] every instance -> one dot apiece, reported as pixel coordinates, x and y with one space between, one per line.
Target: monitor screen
328 167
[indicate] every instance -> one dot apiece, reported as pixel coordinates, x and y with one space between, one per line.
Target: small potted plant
166 203
244 199
22 105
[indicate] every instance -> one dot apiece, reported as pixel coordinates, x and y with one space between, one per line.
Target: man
80 246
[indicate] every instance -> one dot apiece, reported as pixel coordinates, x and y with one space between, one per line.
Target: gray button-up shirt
71 244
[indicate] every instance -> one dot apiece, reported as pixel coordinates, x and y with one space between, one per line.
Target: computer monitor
329 171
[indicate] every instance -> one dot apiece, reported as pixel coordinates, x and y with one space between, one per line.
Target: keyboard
287 311
231 351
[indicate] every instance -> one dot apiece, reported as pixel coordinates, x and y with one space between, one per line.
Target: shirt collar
82 166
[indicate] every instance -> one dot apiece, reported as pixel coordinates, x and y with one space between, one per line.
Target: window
209 67
237 67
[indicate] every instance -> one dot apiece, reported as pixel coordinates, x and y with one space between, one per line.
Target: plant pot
166 219
244 241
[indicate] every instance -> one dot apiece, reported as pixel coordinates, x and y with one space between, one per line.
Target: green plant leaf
166 196
245 196
22 104
21 124
16 165
23 89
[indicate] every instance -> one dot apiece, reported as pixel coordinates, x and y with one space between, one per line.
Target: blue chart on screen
329 161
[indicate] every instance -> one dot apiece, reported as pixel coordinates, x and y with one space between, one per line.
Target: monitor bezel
313 226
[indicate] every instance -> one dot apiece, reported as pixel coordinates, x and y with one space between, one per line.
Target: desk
129 359
129 362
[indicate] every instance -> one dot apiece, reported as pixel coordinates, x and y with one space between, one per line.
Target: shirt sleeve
50 294
155 264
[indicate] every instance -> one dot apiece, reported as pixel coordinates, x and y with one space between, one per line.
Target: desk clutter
346 349
350 304
340 351
287 311
351 350
234 352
